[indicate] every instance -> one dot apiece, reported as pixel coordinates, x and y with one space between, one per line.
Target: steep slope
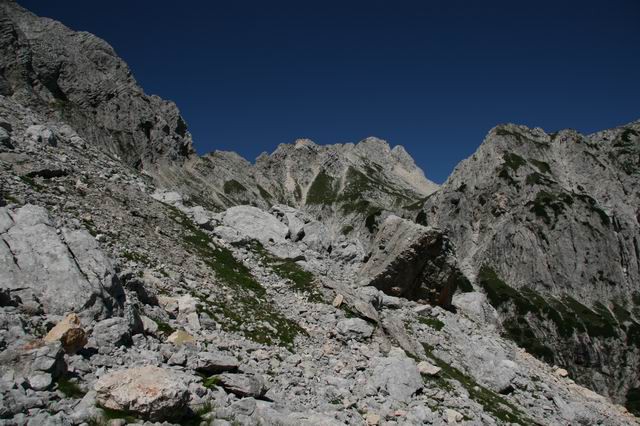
548 226
77 78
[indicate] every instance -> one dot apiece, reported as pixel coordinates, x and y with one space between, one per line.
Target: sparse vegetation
248 312
513 161
136 257
232 186
556 202
301 280
542 166
493 403
323 190
69 388
434 323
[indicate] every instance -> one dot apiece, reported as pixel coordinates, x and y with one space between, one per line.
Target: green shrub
323 190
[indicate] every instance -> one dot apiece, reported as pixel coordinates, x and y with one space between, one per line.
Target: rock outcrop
412 261
78 78
60 272
547 225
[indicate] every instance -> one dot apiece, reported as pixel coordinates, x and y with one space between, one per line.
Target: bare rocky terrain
320 285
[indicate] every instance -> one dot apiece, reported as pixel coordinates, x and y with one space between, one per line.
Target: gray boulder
256 224
396 376
355 328
112 332
65 272
212 363
243 385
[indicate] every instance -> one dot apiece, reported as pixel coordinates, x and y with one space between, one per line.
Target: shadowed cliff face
552 218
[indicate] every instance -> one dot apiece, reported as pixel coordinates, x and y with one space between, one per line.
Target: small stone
561 372
338 300
453 417
70 333
149 325
372 419
428 369
180 337
40 382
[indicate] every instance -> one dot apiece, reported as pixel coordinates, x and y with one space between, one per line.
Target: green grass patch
346 230
163 327
568 316
69 388
323 190
513 161
546 202
232 186
136 257
542 166
434 323
593 206
90 226
536 178
301 280
248 312
264 193
32 183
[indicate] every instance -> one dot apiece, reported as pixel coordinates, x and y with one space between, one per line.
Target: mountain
140 282
77 78
548 226
350 187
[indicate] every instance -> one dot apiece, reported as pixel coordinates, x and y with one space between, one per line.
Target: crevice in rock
13 255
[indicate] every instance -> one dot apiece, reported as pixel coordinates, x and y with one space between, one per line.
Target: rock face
412 261
548 226
79 78
150 392
63 272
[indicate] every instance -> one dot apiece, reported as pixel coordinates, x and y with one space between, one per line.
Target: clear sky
433 76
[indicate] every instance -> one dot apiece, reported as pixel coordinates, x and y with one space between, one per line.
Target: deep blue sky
433 76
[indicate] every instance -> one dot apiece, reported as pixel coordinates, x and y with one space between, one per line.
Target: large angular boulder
256 224
148 392
64 272
412 261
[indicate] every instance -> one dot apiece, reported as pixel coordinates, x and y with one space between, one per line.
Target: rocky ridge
547 225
